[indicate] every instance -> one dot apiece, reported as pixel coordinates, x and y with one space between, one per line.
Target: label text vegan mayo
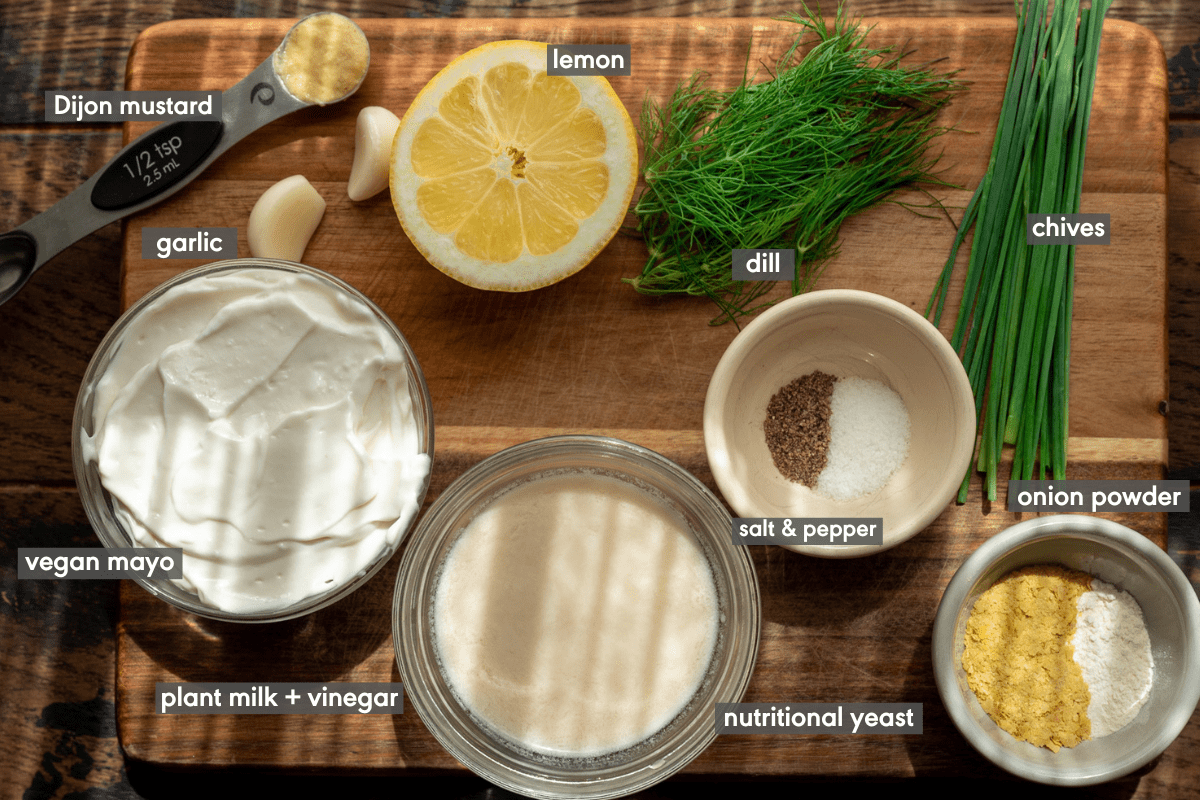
260 420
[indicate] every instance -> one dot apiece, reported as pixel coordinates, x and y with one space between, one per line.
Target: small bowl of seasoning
567 614
1067 650
845 405
267 419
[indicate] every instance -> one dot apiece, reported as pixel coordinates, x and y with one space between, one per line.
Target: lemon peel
507 179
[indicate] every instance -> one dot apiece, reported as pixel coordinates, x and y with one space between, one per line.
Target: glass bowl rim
483 481
93 496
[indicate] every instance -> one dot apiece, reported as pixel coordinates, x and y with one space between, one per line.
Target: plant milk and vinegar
575 615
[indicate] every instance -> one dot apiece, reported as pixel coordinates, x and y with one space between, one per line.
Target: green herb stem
780 163
1015 314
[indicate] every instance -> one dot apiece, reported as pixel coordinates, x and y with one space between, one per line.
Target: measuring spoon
162 161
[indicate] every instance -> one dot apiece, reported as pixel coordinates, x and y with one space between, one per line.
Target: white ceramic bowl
1129 561
845 333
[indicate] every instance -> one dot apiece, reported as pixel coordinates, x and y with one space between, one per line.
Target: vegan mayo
576 615
260 420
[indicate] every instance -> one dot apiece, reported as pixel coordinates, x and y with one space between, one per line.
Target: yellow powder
1019 659
323 58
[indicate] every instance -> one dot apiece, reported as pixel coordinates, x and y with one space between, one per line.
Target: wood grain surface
589 352
589 355
57 662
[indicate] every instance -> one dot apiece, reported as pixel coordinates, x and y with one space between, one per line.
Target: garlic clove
372 152
284 218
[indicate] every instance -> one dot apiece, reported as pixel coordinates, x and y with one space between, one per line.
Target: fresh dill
780 163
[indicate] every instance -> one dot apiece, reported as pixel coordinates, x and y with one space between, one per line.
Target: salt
868 438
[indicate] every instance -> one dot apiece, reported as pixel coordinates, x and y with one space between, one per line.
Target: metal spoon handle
159 163
153 167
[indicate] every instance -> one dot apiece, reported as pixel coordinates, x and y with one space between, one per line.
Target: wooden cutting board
590 355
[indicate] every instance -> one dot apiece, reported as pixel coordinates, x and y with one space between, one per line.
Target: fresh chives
1013 329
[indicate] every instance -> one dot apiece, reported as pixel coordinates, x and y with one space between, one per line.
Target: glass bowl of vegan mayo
568 614
266 418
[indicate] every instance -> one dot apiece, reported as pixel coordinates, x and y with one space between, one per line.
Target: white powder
868 438
1112 649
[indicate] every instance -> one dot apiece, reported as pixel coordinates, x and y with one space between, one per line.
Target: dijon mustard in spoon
322 60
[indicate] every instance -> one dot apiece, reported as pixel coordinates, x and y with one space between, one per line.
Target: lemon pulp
508 178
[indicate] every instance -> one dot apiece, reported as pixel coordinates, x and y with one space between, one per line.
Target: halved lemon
506 178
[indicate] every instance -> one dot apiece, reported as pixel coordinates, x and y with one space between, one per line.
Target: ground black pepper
797 427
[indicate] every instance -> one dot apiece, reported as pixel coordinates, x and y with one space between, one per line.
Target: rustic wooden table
57 653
